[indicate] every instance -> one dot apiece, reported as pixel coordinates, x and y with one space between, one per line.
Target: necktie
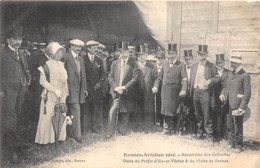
17 55
78 63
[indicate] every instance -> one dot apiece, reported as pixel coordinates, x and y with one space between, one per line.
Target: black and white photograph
130 84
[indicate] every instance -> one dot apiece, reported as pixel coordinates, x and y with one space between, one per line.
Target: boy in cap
174 85
75 67
238 93
15 78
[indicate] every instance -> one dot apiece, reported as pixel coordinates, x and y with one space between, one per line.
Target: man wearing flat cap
15 78
174 86
95 76
202 92
75 67
237 92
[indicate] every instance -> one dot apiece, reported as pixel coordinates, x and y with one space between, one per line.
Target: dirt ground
143 150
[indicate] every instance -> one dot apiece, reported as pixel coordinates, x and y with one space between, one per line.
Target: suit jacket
129 81
145 83
209 73
238 89
14 72
76 80
94 74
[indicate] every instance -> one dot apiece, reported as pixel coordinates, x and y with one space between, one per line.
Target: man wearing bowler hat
221 109
75 67
174 85
237 92
15 78
202 92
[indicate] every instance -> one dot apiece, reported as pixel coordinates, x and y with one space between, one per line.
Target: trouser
219 123
192 117
121 123
201 101
93 116
158 107
11 118
235 129
74 109
170 123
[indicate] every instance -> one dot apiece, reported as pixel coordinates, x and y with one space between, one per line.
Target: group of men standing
138 82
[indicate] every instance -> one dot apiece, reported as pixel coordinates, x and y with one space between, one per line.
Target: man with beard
201 90
132 52
75 67
15 78
237 93
95 76
174 85
122 79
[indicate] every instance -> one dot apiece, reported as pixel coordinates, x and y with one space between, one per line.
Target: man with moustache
221 109
122 79
237 92
202 92
174 86
15 78
95 76
75 66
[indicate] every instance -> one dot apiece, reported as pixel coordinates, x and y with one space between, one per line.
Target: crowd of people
151 89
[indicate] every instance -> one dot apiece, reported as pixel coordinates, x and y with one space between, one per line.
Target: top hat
172 48
16 31
188 53
203 49
140 49
124 45
220 57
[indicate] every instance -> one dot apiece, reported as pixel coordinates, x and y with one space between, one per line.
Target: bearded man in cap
122 79
15 78
75 66
237 92
202 92
95 75
174 85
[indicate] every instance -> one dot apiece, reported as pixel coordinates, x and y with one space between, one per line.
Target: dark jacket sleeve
247 92
111 76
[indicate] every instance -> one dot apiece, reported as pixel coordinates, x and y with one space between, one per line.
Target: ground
136 150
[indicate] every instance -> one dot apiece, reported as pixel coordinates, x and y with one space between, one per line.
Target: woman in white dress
54 90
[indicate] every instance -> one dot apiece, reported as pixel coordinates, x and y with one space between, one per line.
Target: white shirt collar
220 72
142 64
125 60
47 56
13 49
174 61
74 54
238 69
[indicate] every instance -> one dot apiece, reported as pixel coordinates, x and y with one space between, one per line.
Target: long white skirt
45 131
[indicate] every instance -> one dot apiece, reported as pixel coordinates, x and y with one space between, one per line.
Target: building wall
225 27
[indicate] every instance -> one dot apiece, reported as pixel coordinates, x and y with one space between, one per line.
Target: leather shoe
78 139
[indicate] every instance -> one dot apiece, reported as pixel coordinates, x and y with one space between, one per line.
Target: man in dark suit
15 78
75 67
174 86
147 74
221 109
202 92
238 93
95 76
122 79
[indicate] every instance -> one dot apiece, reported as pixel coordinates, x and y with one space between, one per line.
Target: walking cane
117 114
155 109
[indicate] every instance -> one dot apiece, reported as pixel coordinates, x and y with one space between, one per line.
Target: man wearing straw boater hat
221 109
238 93
122 79
201 90
75 67
15 78
174 85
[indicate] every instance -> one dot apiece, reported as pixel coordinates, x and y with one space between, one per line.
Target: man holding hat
15 78
201 90
75 67
174 85
238 93
122 79
95 75
221 109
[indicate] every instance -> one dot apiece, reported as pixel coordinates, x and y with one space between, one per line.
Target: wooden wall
225 27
